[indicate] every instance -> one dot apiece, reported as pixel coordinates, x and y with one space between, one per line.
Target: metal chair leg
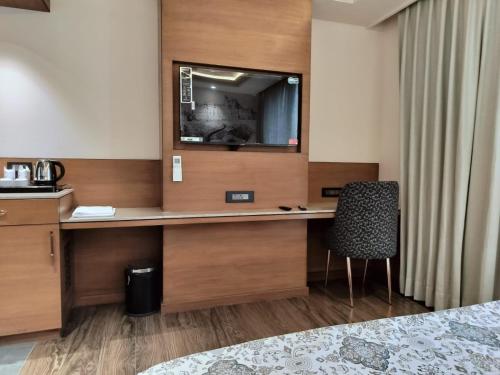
364 274
327 267
349 276
389 283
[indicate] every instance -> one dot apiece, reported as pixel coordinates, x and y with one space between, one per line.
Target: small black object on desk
285 208
31 189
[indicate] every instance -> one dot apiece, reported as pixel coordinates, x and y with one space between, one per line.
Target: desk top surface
56 195
155 214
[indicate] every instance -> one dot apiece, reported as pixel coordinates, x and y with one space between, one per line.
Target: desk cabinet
30 263
30 266
30 297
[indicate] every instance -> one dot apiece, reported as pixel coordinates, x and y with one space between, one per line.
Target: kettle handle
62 170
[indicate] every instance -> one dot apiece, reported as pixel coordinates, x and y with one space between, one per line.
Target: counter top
150 216
56 195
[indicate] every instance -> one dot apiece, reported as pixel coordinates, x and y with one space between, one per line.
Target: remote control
285 208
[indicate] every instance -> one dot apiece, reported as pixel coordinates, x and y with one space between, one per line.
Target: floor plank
106 341
117 354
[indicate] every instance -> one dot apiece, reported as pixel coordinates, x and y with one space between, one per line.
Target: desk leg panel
216 264
100 257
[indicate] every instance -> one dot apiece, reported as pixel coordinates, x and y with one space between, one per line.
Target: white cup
9 174
23 173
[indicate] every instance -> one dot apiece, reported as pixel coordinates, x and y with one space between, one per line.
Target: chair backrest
366 221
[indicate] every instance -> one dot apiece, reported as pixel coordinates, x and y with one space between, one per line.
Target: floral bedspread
458 341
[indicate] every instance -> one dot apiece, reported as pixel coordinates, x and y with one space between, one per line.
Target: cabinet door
30 290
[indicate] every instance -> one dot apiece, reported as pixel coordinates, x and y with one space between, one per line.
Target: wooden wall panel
100 257
120 183
331 175
212 264
276 180
322 174
258 34
40 5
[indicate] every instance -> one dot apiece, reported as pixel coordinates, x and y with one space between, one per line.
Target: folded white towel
93 211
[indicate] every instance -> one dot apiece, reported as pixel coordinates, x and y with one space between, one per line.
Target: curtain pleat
435 157
481 270
440 44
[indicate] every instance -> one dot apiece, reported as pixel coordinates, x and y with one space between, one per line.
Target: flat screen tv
238 107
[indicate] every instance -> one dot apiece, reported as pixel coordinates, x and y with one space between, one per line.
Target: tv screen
224 106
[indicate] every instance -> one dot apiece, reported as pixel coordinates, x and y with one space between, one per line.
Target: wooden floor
105 341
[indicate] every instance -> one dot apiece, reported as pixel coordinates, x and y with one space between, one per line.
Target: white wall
80 81
355 95
389 140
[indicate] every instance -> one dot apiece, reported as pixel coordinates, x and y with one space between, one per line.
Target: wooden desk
154 216
258 251
215 257
209 258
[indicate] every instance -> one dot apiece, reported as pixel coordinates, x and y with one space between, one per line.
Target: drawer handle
3 212
52 254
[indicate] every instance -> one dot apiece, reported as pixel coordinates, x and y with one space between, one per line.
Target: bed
457 341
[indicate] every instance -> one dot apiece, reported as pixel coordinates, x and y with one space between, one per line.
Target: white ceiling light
219 75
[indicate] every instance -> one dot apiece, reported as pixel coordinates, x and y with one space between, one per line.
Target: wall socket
330 192
240 197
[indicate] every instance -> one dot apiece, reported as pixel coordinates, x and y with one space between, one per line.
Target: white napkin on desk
93 211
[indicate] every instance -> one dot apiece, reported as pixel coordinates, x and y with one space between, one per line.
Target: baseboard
31 336
98 299
174 307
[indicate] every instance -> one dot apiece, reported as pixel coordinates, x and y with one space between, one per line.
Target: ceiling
251 85
247 82
365 13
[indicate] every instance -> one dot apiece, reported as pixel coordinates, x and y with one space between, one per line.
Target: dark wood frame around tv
178 145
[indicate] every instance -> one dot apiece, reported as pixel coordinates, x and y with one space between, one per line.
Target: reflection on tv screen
232 107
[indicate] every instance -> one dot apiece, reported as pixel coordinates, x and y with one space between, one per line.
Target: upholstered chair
365 226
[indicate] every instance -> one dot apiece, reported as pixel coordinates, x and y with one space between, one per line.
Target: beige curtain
449 145
481 264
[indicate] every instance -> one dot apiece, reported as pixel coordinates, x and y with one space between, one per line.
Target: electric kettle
46 173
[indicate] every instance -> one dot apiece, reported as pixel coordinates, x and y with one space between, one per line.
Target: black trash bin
142 289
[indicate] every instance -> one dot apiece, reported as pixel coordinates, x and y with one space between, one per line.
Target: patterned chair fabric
366 221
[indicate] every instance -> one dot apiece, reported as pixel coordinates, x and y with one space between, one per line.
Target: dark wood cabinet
39 5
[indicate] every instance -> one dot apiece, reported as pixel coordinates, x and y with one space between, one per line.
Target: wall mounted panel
263 35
